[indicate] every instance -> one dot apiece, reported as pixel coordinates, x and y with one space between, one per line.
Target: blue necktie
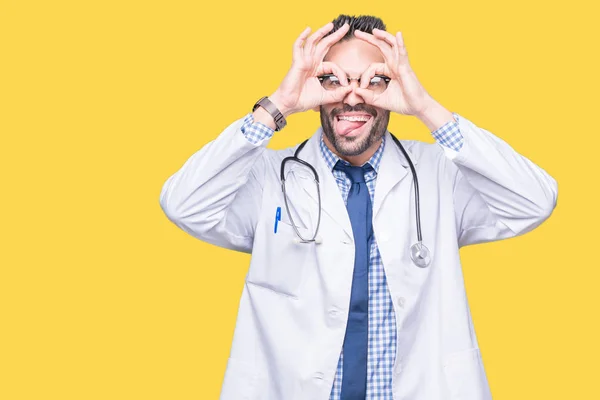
354 374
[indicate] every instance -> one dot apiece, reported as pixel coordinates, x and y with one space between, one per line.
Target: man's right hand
301 89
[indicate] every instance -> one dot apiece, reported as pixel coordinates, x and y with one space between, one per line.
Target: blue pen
277 218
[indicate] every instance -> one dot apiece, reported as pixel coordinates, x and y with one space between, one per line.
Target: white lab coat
294 305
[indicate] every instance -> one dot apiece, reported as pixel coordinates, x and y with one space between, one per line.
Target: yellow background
101 297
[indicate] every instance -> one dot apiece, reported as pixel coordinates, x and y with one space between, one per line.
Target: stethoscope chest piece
420 255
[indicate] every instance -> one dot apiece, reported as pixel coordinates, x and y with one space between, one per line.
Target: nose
352 98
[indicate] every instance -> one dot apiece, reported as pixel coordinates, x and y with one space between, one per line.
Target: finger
385 36
332 68
300 41
325 44
374 69
401 47
337 95
385 48
318 35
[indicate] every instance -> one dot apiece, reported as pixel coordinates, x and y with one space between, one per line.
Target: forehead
354 56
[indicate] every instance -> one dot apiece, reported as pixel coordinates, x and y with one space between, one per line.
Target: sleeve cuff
449 135
254 131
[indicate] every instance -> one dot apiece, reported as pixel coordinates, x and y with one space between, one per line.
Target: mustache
357 108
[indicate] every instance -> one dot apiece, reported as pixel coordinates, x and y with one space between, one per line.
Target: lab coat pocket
279 263
242 381
465 376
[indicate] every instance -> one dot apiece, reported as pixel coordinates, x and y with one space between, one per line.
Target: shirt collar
331 158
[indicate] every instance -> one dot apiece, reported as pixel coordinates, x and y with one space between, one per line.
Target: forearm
434 116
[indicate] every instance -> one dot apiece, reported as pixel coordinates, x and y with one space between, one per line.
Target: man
350 314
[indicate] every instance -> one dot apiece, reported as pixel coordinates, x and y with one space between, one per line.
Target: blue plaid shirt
381 351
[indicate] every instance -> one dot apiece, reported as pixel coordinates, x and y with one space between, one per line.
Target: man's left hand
404 94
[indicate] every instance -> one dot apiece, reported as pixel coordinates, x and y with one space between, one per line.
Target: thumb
338 94
367 95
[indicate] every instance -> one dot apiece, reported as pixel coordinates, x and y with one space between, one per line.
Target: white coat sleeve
498 193
216 195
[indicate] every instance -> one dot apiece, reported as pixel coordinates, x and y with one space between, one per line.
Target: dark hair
364 23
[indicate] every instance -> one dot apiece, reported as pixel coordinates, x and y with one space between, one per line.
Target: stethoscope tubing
419 252
416 181
295 158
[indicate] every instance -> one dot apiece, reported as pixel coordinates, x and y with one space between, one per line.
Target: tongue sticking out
344 127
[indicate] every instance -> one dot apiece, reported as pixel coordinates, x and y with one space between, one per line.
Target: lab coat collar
393 169
332 202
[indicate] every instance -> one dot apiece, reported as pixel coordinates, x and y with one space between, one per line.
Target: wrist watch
268 105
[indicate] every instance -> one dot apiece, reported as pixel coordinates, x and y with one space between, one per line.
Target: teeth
353 118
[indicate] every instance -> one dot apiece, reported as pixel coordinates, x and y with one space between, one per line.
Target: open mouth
352 124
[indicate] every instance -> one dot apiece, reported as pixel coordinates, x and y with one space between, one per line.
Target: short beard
354 146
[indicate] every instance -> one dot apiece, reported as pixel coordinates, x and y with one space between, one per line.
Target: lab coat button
401 301
333 313
319 376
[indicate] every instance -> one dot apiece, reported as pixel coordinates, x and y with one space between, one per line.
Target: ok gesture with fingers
404 94
301 90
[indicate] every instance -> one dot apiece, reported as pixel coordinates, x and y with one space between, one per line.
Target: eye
333 80
329 82
377 81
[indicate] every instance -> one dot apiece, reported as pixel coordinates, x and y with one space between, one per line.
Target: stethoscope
419 253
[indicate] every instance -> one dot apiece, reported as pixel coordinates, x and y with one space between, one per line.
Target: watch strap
268 105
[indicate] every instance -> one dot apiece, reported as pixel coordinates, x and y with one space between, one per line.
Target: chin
351 145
